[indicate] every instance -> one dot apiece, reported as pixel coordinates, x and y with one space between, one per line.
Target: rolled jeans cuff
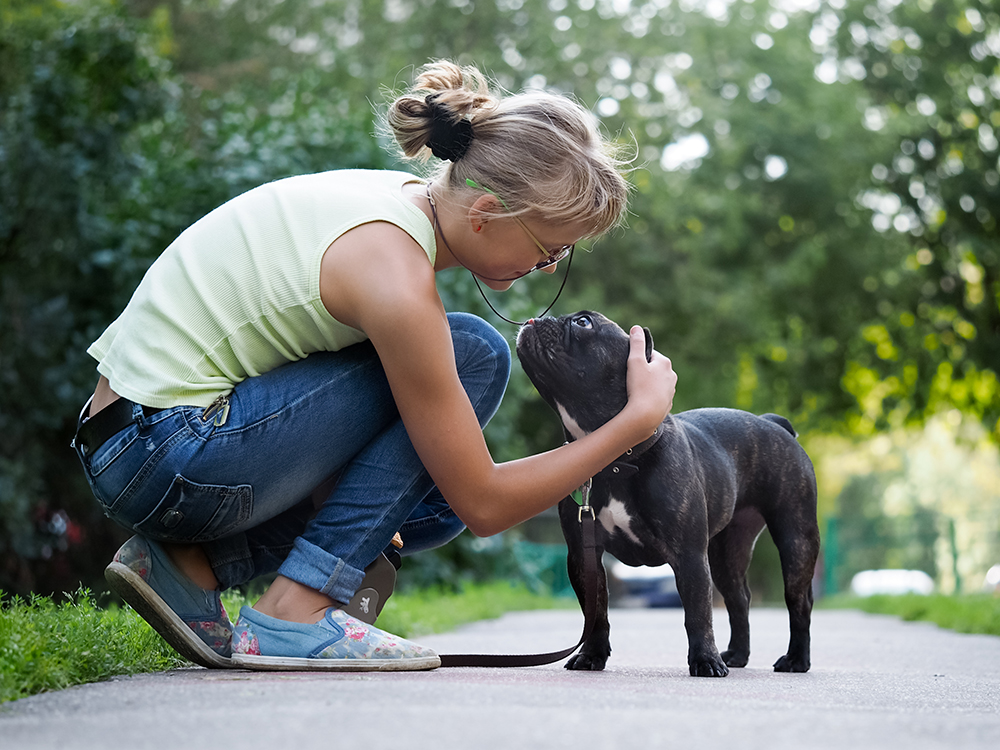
231 560
313 567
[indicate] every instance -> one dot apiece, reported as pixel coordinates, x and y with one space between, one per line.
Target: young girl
292 343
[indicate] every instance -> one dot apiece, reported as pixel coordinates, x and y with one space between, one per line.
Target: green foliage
930 75
46 646
973 613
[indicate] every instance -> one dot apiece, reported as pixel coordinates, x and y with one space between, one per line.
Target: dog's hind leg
796 535
594 653
729 554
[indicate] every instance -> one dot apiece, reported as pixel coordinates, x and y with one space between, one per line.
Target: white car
870 582
992 582
641 586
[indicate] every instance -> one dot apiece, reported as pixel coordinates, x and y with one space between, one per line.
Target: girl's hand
650 384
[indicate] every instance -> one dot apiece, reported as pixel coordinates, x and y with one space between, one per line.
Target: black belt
94 432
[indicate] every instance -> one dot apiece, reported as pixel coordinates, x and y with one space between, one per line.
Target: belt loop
85 412
139 416
84 416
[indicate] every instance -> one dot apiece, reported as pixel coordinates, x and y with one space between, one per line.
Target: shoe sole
295 664
130 586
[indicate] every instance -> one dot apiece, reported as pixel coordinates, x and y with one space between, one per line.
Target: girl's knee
483 359
476 340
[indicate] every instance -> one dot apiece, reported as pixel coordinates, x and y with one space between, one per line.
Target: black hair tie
450 137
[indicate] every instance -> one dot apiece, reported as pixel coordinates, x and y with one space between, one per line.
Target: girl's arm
377 279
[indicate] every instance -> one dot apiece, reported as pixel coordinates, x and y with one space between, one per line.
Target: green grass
969 613
412 615
45 645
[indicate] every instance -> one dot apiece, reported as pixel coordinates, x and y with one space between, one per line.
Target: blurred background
813 232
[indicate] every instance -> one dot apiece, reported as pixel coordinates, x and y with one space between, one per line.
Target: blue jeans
243 489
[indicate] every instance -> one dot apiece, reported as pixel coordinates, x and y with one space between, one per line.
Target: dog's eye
583 321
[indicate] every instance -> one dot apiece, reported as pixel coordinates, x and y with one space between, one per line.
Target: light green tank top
237 294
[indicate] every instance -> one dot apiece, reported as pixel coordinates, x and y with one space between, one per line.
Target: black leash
590 562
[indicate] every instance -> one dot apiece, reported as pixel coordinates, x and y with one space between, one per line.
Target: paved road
875 683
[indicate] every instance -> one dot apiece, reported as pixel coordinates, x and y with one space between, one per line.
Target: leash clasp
585 505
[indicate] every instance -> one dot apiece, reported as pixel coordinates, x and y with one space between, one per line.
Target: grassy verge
970 613
46 645
434 611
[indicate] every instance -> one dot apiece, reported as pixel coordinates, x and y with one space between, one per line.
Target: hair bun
451 134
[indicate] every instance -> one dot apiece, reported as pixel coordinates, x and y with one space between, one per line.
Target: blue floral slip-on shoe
338 642
188 617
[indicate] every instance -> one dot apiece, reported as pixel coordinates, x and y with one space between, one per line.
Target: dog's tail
780 420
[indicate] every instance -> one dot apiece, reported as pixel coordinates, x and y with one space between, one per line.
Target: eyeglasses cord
437 225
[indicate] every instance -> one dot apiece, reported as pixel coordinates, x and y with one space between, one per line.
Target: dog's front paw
587 662
708 666
787 663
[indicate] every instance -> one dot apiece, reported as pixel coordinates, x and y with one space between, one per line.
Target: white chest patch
614 516
569 423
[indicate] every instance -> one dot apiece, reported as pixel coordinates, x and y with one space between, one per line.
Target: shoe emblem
363 605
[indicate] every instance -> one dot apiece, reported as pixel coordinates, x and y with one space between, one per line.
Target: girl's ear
485 208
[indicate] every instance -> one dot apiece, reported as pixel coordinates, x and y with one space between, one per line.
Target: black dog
696 495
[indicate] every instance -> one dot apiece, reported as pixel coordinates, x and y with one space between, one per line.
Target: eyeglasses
551 256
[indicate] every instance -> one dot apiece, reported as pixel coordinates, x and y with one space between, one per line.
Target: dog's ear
649 344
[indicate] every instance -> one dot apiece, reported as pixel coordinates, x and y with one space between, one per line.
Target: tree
932 81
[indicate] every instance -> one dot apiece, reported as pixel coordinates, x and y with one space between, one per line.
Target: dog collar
624 465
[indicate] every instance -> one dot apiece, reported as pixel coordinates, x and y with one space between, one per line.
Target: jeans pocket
192 512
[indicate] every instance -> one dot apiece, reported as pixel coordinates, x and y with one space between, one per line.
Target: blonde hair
540 153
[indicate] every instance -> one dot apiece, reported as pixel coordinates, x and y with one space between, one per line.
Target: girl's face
511 248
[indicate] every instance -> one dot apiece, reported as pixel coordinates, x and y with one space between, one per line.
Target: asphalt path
876 682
